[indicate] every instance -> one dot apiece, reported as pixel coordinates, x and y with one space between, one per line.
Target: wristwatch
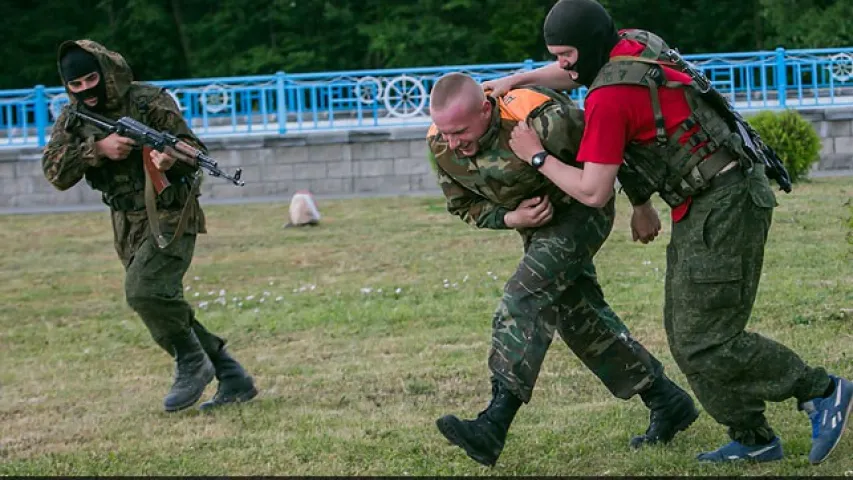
539 159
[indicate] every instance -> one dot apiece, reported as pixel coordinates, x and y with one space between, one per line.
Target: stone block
842 128
844 145
363 151
339 169
375 168
424 183
827 146
28 168
326 186
392 150
290 155
277 172
329 153
384 184
412 166
306 171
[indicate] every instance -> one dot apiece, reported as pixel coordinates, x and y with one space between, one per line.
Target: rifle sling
154 219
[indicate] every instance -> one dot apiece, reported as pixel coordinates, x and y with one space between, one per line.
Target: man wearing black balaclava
682 148
586 26
82 75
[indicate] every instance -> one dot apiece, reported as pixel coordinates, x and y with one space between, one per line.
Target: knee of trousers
712 358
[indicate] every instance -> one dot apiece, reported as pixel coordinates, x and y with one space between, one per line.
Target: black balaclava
585 25
76 63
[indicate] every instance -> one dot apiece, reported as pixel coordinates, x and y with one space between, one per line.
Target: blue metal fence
366 99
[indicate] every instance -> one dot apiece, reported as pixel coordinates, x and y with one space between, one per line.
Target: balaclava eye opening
585 25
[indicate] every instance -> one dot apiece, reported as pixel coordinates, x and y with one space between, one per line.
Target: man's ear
486 109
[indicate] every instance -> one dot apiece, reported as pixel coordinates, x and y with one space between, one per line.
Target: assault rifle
757 150
160 141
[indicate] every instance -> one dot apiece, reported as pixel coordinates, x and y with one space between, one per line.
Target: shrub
792 137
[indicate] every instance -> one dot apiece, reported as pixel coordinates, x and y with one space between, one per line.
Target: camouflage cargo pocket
717 281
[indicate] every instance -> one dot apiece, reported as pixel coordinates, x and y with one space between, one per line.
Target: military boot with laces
483 438
671 410
235 385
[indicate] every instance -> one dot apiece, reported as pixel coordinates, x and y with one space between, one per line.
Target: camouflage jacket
70 154
482 189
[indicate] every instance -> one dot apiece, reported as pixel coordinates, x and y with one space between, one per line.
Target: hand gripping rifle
160 141
754 147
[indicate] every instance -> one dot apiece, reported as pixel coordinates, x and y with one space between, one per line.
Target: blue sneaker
829 417
734 451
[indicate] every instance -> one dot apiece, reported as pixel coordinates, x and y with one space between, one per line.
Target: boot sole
209 375
680 427
445 426
241 397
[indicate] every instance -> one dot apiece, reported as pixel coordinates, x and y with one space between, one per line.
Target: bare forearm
571 180
550 76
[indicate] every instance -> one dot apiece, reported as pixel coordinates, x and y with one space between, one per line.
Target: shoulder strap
150 195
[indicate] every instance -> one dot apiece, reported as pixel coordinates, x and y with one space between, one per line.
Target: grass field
360 333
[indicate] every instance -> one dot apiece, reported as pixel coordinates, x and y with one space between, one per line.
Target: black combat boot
672 410
483 438
193 371
235 385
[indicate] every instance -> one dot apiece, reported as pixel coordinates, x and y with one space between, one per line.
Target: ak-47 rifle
147 137
758 151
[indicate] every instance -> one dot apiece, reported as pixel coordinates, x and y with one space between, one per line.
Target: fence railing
367 99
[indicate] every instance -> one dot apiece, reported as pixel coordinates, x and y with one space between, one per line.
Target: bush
792 137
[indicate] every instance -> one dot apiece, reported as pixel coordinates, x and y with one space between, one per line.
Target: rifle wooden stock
158 178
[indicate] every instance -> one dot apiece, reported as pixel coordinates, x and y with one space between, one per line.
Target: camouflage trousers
714 263
154 284
555 288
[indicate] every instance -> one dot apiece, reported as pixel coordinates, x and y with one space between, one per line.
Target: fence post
280 102
528 64
781 77
40 110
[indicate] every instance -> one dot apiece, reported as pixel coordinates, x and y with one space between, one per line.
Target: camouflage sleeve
560 127
465 204
67 155
165 115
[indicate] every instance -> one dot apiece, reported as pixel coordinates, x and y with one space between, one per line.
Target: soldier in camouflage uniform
101 81
650 122
554 287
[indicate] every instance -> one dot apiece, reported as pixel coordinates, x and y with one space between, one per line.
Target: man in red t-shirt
719 231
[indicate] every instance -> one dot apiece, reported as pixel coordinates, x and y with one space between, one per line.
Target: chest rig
667 166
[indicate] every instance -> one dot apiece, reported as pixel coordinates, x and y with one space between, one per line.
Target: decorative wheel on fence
368 90
405 96
174 95
56 103
215 98
841 67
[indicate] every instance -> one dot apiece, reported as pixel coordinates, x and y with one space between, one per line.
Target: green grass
351 381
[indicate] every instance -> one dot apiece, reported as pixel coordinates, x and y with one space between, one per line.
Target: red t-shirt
618 114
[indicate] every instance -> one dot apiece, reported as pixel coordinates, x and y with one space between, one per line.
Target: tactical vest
122 183
666 165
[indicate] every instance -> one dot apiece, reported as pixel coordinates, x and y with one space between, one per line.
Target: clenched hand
645 223
114 147
531 213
